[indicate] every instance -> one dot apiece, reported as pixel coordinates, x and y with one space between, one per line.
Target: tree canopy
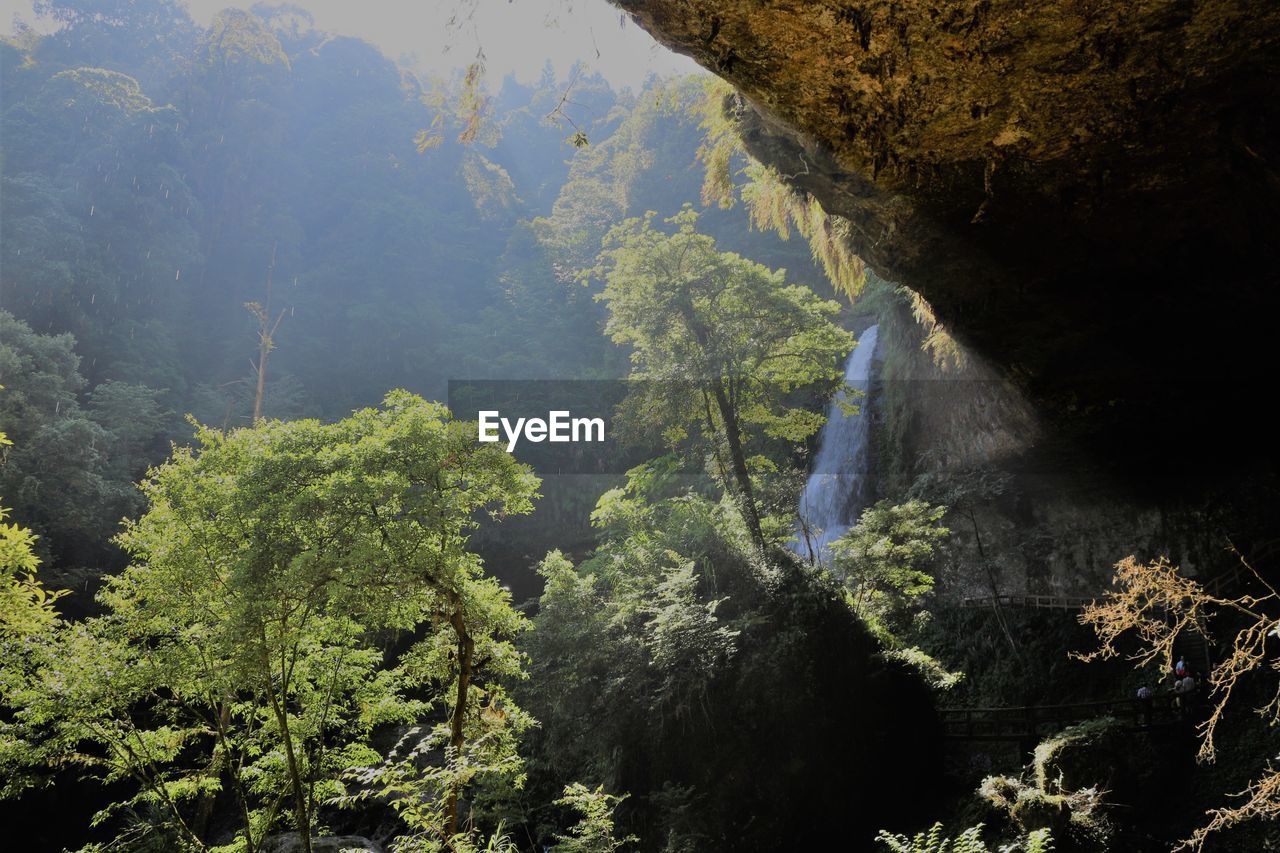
719 342
246 628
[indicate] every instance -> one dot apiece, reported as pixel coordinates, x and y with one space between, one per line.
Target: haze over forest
263 591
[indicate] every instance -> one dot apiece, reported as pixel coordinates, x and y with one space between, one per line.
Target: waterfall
837 487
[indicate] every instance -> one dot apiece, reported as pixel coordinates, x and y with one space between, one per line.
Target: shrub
968 841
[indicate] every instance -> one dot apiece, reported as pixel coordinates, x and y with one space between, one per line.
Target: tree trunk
264 342
295 776
295 780
457 737
221 755
732 431
739 460
991 581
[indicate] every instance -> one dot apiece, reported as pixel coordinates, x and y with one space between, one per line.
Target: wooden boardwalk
1030 723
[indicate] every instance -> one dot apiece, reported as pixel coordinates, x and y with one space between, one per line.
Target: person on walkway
1184 694
1146 699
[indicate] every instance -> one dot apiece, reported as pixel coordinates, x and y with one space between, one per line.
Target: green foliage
25 606
1063 761
692 315
297 589
237 37
881 563
639 607
109 91
150 166
244 629
1073 817
933 841
968 841
720 343
1063 788
594 830
411 782
675 666
882 558
70 474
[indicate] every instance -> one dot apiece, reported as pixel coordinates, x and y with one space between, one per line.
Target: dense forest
262 589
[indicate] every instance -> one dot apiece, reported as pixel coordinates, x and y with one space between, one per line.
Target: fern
935 840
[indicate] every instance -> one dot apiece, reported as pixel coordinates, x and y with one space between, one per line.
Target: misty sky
518 36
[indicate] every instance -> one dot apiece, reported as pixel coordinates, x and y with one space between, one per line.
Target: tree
71 472
1155 603
720 341
593 833
26 608
882 558
965 491
268 563
136 423
771 201
143 36
882 564
672 665
24 605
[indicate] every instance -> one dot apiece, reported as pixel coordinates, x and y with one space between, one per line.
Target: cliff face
1022 520
1086 191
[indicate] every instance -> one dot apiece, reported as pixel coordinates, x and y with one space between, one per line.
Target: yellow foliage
944 349
1156 603
772 203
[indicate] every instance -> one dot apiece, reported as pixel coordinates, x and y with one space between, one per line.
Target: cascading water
837 485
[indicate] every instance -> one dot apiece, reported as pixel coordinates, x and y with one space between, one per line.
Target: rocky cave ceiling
1085 190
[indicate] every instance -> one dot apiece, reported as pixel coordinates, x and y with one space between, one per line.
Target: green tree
25 606
59 483
70 475
672 665
721 340
23 602
26 610
267 564
882 563
881 560
594 831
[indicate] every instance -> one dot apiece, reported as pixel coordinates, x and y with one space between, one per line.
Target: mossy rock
1037 810
1098 754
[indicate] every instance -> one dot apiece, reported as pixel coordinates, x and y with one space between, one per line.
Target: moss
1004 161
1069 759
1100 754
1037 810
1074 818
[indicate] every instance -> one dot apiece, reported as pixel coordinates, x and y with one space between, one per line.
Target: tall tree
721 340
70 474
244 630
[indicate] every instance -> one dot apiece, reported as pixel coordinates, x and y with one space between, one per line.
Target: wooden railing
1218 585
1028 723
1051 602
